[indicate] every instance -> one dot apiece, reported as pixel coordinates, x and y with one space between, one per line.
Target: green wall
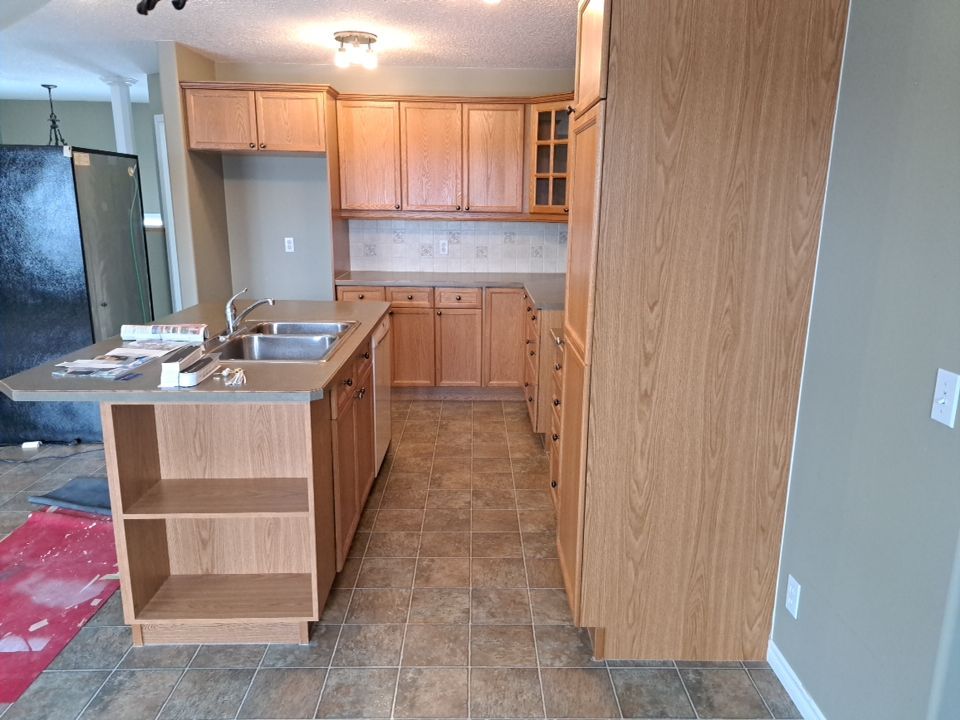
874 504
84 124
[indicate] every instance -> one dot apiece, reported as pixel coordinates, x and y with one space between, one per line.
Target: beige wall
199 208
873 513
393 80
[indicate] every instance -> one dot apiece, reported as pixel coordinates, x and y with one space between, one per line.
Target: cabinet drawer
362 361
459 297
353 293
344 387
410 296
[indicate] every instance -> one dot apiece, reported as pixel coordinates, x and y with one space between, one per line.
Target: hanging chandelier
145 6
55 137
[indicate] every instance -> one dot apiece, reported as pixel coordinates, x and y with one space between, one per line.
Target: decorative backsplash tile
414 246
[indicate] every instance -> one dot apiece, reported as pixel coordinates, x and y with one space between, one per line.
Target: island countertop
266 381
545 289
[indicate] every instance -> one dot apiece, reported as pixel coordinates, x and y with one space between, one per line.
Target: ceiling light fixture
356 48
55 136
492 2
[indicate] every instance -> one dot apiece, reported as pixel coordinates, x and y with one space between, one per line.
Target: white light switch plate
288 244
793 596
945 398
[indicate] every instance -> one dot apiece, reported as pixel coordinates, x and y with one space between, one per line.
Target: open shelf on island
222 497
231 598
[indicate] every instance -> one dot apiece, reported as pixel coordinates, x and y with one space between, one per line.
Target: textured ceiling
75 42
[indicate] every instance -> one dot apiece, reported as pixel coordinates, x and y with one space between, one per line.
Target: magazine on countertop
183 332
119 363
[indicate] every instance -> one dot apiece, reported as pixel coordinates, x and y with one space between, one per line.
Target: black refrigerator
73 268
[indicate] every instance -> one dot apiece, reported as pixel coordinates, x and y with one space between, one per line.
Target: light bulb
369 60
341 59
492 2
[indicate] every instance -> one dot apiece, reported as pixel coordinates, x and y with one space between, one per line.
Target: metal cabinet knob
253 145
459 298
396 207
532 353
360 296
556 402
557 366
530 399
553 483
409 297
529 308
458 207
348 382
439 312
263 146
571 109
364 356
566 210
555 437
467 207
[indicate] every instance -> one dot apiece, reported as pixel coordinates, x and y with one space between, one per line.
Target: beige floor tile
393 544
498 606
358 693
443 573
432 693
440 605
368 646
436 645
496 545
498 573
495 521
505 693
445 544
579 693
378 606
502 645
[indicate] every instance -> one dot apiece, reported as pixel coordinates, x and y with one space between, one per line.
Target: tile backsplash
414 246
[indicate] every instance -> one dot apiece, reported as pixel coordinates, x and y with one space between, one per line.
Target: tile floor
450 606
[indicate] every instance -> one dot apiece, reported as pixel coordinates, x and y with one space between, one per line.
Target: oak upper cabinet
413 346
583 228
221 119
291 121
493 157
503 332
369 144
431 155
593 32
550 145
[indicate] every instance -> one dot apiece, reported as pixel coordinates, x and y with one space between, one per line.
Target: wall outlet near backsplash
471 246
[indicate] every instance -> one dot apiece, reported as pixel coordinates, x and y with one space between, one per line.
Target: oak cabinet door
431 155
412 349
366 452
570 492
493 157
593 31
291 122
503 337
346 494
582 232
369 135
221 119
459 347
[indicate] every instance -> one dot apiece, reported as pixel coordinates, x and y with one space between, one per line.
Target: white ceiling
72 43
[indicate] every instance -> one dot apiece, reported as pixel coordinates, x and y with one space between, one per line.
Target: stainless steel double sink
286 341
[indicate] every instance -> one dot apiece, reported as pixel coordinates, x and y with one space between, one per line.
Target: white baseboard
791 683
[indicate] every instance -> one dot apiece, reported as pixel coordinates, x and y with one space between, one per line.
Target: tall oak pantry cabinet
701 142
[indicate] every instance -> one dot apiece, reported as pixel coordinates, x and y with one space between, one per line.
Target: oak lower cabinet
570 482
353 449
413 351
503 328
459 346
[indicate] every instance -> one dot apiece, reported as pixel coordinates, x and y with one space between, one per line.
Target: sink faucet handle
231 311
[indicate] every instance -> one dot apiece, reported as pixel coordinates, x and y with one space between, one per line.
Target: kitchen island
234 507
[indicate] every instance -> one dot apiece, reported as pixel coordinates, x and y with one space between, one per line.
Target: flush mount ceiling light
356 48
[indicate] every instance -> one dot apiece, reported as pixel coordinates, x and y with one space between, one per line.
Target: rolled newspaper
183 332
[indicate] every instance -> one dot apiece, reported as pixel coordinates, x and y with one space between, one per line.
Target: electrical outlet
793 596
444 246
288 244
945 398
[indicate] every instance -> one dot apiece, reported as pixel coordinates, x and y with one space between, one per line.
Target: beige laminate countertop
266 381
545 289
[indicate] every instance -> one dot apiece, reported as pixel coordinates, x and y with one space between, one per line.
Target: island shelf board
221 498
242 598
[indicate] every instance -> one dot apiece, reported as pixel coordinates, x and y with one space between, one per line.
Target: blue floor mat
86 494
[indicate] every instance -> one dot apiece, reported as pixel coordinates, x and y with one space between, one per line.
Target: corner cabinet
369 144
549 157
235 120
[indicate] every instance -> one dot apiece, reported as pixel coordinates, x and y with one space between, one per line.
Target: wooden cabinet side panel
324 518
221 119
291 121
493 157
459 347
503 331
715 244
345 481
369 137
430 155
413 347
